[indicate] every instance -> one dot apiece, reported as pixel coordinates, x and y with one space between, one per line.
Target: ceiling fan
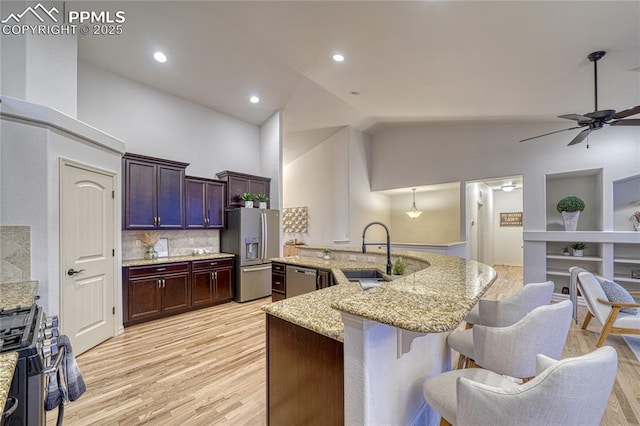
597 119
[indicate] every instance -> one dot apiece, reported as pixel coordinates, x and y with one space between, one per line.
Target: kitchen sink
364 274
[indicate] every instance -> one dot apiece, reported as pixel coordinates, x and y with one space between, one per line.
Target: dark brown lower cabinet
151 292
305 376
212 281
155 291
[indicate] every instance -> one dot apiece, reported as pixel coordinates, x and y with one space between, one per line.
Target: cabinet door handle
216 274
214 263
161 269
164 283
159 222
159 283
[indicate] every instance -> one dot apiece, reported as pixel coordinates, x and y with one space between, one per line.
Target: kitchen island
379 343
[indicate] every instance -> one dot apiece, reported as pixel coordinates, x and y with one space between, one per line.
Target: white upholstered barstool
573 391
512 350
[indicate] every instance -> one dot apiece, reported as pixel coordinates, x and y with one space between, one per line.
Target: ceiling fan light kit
598 118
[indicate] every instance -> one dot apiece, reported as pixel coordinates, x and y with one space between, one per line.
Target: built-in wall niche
585 184
626 201
626 265
558 264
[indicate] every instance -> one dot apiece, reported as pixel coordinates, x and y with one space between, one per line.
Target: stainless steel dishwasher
300 280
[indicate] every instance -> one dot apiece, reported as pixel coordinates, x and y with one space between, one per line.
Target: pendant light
413 212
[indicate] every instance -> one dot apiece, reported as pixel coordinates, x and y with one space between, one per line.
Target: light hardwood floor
207 367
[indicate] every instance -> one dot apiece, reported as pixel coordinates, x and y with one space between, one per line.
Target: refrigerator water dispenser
251 248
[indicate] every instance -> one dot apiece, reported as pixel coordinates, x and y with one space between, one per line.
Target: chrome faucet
364 245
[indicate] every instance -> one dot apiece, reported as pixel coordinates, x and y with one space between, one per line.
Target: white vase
262 204
248 204
570 220
578 253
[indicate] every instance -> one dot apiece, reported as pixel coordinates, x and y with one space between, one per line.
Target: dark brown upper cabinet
204 203
239 183
153 193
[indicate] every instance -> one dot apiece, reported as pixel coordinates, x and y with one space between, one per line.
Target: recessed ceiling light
254 99
338 57
160 57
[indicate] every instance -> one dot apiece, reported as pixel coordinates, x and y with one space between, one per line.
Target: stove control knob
51 321
50 347
48 334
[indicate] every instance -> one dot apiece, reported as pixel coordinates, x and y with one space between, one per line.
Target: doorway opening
494 220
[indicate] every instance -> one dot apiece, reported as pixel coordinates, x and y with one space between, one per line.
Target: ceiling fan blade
627 112
629 122
577 117
581 136
551 133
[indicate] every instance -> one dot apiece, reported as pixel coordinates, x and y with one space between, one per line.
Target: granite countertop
13 295
173 259
8 362
433 299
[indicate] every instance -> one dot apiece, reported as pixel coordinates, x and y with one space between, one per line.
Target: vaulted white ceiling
410 61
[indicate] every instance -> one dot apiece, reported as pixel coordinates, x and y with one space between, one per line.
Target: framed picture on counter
162 247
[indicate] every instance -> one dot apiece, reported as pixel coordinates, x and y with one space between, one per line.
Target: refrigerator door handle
263 219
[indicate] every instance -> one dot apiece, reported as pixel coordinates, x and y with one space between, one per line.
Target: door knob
71 272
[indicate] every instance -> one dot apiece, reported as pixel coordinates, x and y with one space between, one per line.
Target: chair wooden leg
587 318
471 363
468 326
608 325
462 361
444 422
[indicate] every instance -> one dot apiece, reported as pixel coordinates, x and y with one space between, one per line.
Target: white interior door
87 255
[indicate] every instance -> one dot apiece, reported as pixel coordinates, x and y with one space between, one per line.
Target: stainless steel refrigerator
253 235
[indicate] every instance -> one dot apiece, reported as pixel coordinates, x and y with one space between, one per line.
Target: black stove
29 332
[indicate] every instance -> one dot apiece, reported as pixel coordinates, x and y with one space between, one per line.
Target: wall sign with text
511 219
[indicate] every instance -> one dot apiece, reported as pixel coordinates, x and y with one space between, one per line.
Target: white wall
41 69
508 244
422 154
157 124
332 181
364 205
439 222
271 156
319 180
30 155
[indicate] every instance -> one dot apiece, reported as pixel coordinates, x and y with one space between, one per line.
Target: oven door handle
56 365
12 408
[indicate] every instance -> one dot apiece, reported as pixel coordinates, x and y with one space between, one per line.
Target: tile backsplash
15 253
181 243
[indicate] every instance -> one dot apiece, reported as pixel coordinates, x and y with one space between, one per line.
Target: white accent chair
573 391
512 350
607 313
508 311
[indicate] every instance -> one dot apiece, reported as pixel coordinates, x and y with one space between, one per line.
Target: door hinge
113 252
113 310
113 194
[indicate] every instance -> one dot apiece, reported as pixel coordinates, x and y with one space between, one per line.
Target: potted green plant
570 208
565 251
635 217
248 199
262 200
326 254
399 267
578 249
